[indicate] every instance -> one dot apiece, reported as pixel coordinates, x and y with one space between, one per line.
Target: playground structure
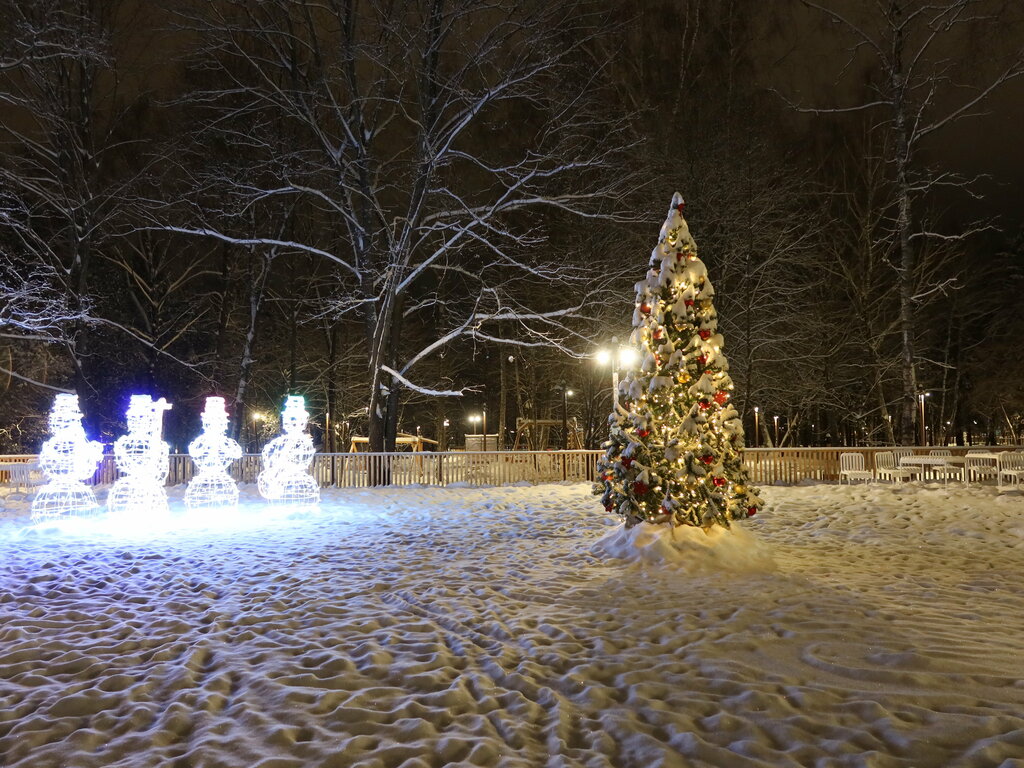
404 442
536 434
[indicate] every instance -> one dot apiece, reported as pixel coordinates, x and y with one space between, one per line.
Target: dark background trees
409 212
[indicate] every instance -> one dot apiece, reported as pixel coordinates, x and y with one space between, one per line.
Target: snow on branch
422 390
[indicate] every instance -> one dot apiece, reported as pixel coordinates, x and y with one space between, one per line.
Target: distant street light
757 428
480 418
776 431
920 418
566 394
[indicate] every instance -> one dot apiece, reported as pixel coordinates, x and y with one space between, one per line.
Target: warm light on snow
69 459
212 453
286 459
142 456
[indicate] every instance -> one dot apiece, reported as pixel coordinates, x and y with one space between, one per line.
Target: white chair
979 469
886 467
940 452
1011 467
25 475
851 466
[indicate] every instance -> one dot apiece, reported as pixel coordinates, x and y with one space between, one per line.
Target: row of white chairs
1009 467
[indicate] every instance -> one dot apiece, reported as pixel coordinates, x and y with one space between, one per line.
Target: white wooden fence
767 466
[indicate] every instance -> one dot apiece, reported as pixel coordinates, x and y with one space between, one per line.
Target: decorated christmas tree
674 451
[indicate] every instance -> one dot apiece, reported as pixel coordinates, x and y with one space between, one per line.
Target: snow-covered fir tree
674 451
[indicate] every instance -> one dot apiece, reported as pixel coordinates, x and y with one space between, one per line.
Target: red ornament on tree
702 359
627 462
681 207
640 488
704 405
719 482
721 396
609 507
688 302
645 308
707 458
704 333
643 432
751 511
659 335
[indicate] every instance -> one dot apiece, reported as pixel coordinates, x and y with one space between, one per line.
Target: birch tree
423 136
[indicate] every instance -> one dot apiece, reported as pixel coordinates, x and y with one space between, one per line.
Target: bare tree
917 88
62 128
421 135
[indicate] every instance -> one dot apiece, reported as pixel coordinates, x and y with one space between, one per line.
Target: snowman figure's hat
295 408
215 408
145 405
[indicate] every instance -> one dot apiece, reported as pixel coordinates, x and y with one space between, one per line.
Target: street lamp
478 418
619 358
757 429
257 417
776 430
566 394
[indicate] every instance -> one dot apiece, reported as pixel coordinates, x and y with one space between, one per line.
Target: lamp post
257 417
776 430
757 428
920 417
474 419
618 357
566 394
483 417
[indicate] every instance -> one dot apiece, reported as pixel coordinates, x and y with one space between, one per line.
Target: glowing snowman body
212 453
286 459
69 459
143 458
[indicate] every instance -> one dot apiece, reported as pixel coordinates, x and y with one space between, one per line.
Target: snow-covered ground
873 626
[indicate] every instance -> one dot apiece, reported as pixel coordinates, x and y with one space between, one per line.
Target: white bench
1011 467
851 466
23 474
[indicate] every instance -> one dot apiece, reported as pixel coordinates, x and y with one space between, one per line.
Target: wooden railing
767 466
787 466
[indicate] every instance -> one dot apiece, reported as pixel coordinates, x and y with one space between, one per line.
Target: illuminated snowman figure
69 459
286 459
143 458
212 453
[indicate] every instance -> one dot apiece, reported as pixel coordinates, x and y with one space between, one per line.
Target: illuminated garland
674 450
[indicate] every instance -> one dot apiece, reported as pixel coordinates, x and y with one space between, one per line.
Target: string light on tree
69 459
674 450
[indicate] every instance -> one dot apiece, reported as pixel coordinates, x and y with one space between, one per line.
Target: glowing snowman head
144 412
65 413
215 415
294 416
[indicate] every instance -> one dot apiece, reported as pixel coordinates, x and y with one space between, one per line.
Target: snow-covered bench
887 469
1011 468
22 474
851 466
